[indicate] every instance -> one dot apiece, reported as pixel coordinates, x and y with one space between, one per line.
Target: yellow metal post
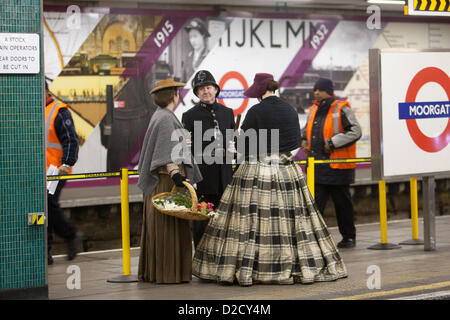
383 210
125 222
125 212
414 209
310 175
414 214
384 245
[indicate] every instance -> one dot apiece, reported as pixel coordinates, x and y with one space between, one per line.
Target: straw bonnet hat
166 83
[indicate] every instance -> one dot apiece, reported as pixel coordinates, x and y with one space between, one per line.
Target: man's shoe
49 259
347 243
74 246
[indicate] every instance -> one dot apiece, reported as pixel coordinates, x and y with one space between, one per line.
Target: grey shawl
157 150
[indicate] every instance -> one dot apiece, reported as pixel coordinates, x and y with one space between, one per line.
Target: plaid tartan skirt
267 230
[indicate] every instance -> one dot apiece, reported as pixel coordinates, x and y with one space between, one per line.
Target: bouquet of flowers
206 208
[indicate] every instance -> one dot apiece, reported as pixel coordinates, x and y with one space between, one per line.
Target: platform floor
405 273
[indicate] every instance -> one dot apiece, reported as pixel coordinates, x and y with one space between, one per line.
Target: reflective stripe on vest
49 123
332 126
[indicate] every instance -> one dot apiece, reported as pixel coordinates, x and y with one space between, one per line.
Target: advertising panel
131 49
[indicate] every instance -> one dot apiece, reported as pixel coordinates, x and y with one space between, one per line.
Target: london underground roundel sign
432 109
236 94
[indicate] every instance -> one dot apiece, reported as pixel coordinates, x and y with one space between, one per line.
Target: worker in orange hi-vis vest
61 144
331 132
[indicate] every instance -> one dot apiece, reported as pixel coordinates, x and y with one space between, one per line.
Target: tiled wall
22 180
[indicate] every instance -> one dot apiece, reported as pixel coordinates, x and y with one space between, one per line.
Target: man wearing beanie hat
324 84
331 132
215 117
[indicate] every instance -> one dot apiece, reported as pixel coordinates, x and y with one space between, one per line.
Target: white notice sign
19 53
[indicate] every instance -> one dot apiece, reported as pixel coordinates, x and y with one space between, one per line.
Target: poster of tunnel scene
105 65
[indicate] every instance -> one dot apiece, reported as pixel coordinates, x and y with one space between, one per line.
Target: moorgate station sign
410 113
410 120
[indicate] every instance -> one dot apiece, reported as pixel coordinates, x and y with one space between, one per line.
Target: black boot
49 259
347 243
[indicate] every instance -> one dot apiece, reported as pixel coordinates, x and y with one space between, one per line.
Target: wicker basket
188 214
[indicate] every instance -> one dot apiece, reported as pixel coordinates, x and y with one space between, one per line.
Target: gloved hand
178 179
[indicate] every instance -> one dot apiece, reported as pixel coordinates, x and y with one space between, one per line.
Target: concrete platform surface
405 273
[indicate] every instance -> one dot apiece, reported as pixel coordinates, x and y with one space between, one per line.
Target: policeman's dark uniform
215 176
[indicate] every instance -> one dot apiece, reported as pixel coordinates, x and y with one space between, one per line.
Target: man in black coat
216 119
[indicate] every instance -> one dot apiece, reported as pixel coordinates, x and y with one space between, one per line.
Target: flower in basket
178 201
206 208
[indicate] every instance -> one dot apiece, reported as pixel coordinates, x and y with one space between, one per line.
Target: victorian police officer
208 121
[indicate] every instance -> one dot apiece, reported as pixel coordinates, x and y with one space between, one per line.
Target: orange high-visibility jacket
54 148
333 126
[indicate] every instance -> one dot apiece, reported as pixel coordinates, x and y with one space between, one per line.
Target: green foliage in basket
179 199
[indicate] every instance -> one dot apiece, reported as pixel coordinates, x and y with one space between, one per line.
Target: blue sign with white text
424 110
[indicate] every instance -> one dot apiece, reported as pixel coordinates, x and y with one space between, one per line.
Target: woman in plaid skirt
267 228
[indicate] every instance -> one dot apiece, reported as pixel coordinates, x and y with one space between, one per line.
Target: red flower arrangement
206 208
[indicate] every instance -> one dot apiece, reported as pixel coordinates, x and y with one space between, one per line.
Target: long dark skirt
166 243
268 230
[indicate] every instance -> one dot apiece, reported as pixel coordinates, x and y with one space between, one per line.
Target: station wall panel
22 180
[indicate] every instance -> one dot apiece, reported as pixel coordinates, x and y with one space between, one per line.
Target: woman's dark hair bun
273 85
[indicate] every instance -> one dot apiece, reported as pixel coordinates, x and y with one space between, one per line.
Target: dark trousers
57 221
199 226
340 194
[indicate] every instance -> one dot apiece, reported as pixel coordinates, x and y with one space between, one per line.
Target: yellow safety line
89 175
343 160
135 172
84 176
337 161
396 291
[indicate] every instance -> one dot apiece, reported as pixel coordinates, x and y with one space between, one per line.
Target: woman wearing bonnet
166 241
